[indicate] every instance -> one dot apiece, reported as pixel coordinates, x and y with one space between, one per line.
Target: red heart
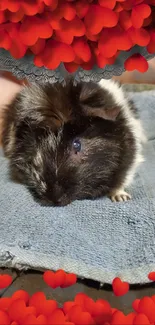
88 65
74 313
147 306
51 3
38 61
113 58
64 36
118 7
66 30
106 44
80 299
141 319
31 319
102 312
71 66
139 36
13 6
81 8
57 318
136 62
16 310
125 20
98 17
37 300
38 47
61 53
77 316
78 60
120 288
5 42
21 294
92 37
59 278
14 323
108 3
124 43
17 48
5 303
32 8
15 17
128 5
139 13
113 40
129 318
24 313
148 21
4 318
48 277
54 18
118 318
153 298
135 304
29 311
70 280
68 10
5 280
33 28
151 275
2 17
67 306
75 27
82 49
64 10
84 319
102 307
48 307
89 305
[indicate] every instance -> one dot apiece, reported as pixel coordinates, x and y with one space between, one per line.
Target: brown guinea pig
73 142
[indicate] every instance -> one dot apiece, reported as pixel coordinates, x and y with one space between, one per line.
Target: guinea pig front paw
119 196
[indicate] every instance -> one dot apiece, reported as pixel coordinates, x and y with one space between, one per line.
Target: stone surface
32 282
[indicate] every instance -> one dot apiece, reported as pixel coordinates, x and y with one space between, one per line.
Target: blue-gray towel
95 239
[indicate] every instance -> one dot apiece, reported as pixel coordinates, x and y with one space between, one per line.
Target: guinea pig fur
73 142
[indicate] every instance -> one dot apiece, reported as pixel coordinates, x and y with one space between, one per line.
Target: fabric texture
97 239
25 68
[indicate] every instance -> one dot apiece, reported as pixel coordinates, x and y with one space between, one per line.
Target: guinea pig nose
62 201
57 191
55 194
57 202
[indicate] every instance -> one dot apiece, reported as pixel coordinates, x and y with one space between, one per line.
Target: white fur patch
36 176
11 140
134 125
38 160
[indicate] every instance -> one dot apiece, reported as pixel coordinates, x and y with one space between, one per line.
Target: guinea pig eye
77 146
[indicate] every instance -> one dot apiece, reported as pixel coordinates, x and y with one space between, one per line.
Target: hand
8 89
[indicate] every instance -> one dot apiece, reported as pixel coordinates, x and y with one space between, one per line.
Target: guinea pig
73 142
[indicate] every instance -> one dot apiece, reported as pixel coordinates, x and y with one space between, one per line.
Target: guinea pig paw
119 196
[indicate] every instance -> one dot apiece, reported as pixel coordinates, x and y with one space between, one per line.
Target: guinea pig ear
44 104
96 101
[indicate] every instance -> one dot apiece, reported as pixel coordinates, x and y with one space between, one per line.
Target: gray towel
95 239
